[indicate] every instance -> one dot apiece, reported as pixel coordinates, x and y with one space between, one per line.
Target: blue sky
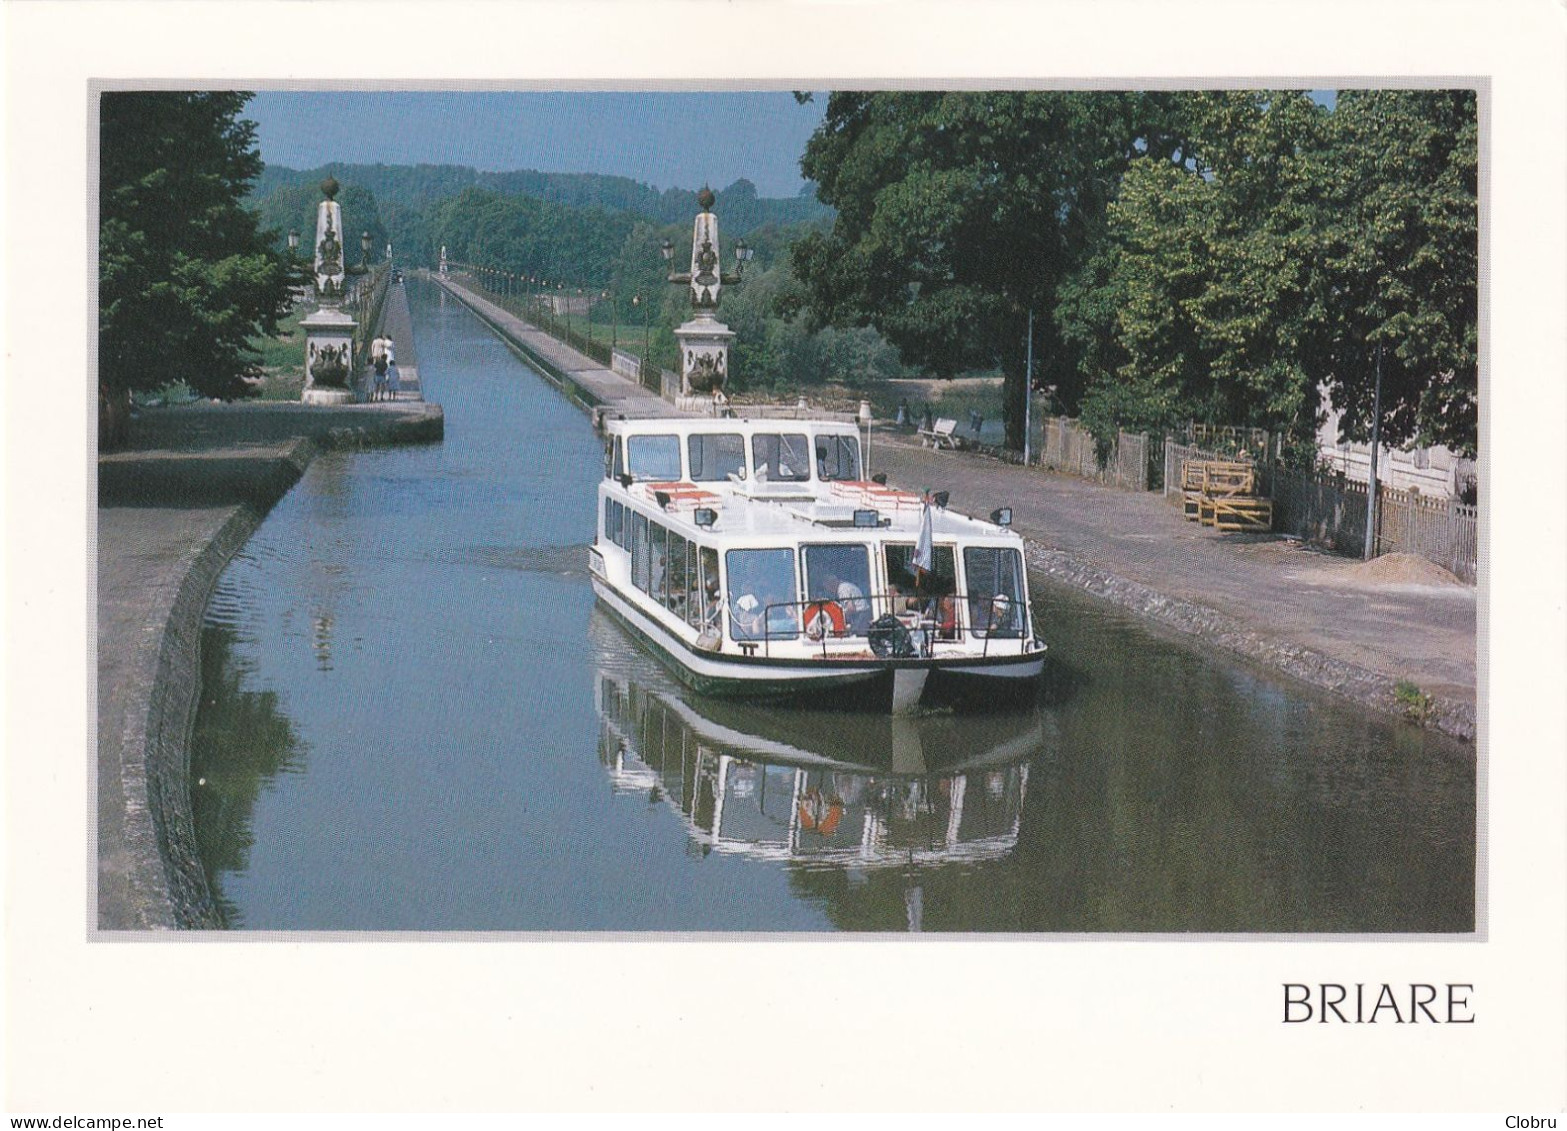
668 140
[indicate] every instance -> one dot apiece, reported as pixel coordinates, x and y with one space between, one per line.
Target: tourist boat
757 560
776 784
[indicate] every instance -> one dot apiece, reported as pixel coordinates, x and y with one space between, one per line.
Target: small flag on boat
922 547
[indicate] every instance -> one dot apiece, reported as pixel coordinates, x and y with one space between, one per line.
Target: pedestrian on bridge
393 378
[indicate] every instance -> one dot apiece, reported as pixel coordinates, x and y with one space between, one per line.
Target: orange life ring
830 612
815 816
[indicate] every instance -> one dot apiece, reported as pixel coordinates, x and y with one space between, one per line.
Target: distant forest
599 235
1231 257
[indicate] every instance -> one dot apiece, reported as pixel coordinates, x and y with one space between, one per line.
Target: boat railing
891 624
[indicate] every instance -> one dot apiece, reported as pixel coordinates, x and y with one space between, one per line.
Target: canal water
414 717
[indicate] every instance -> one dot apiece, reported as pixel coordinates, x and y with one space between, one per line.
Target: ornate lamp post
364 250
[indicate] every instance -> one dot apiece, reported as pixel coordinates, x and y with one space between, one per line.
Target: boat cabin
763 537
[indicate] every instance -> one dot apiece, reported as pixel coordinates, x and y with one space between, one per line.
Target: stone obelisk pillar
330 364
704 340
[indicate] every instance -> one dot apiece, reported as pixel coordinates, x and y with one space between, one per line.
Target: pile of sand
1402 569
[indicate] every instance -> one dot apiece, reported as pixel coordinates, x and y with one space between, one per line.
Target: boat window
620 522
994 576
619 467
639 550
653 457
609 458
675 596
712 458
708 611
786 457
658 561
930 595
842 574
837 457
762 594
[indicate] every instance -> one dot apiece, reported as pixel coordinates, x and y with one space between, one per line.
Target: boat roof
745 425
801 516
764 511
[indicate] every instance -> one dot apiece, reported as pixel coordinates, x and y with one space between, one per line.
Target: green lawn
283 359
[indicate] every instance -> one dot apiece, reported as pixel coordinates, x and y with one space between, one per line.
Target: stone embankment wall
150 874
1367 688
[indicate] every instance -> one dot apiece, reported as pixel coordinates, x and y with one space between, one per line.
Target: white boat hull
899 685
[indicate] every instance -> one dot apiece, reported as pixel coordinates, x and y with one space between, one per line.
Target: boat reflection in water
816 788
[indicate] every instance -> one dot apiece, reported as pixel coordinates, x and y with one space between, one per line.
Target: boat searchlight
866 518
1001 516
704 517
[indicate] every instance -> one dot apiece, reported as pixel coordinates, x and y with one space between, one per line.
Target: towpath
606 391
397 324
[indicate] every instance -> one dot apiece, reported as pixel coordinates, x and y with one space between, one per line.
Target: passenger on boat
713 605
747 615
900 602
851 598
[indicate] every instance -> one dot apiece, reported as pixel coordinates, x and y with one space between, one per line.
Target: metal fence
1068 447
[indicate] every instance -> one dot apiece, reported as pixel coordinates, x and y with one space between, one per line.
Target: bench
940 434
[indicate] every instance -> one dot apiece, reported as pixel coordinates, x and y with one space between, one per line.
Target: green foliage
1415 703
1403 251
960 212
187 276
1203 301
293 208
408 191
1230 288
568 247
1217 256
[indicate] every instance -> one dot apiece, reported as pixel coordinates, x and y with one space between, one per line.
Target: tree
958 213
293 207
186 274
1271 264
1403 253
1205 298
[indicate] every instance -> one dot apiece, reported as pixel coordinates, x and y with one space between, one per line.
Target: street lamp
636 300
614 322
667 250
364 249
743 254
